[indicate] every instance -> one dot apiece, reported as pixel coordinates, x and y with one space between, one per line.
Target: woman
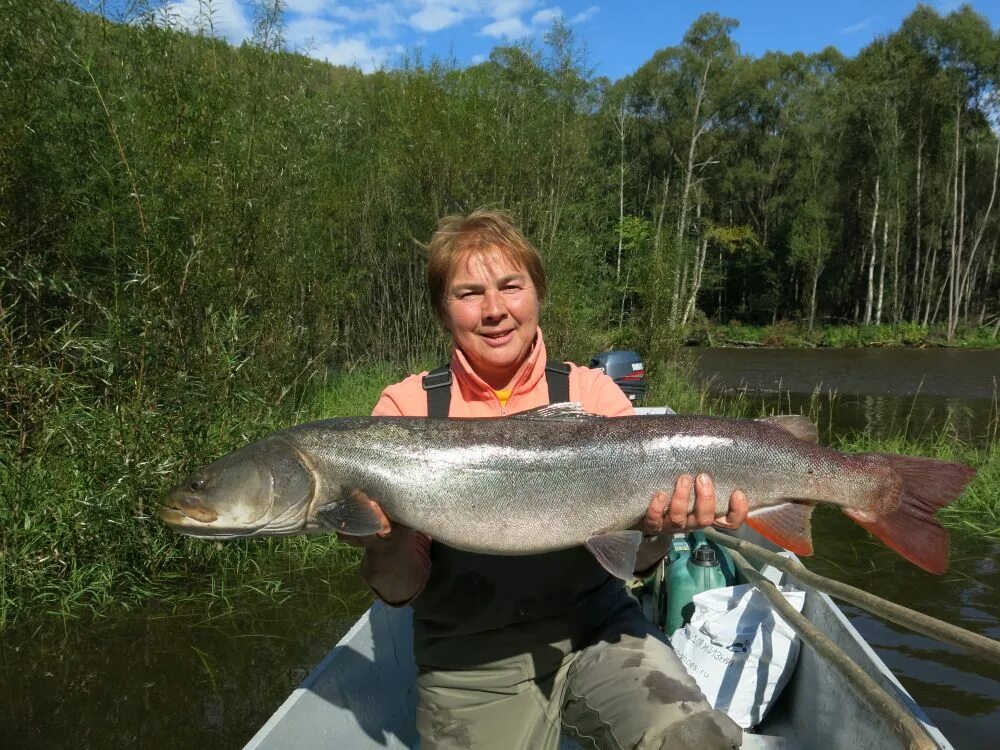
513 649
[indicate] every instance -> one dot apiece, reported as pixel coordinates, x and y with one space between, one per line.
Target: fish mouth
183 508
181 522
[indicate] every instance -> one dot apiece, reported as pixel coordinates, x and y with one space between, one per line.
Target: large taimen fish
555 477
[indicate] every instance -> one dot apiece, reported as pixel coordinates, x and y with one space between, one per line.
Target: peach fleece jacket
472 397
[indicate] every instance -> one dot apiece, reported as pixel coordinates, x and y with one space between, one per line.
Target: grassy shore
79 537
789 334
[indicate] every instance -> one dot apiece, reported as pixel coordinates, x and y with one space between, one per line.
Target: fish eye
196 484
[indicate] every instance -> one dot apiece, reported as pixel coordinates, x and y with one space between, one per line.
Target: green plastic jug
696 565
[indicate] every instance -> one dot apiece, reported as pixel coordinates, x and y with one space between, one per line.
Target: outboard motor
626 369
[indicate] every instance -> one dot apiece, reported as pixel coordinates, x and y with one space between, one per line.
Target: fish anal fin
616 551
789 525
795 424
571 411
352 513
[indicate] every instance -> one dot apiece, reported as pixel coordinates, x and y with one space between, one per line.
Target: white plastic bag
739 650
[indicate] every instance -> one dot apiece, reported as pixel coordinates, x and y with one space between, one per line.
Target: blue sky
619 34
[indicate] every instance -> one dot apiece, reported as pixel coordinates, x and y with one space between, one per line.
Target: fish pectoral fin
789 525
616 551
352 513
797 425
571 411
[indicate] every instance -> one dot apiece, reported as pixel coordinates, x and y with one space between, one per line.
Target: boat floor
363 694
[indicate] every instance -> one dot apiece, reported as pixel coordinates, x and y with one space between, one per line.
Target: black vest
479 608
437 384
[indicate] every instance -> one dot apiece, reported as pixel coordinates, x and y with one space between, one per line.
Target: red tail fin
911 529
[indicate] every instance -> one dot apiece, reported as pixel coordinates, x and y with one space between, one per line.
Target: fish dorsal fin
789 525
565 411
801 427
616 551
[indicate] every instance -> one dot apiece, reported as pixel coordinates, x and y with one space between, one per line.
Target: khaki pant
626 690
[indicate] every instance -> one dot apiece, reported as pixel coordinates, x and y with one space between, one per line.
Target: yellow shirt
503 396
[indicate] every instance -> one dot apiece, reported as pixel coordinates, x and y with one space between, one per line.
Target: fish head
264 488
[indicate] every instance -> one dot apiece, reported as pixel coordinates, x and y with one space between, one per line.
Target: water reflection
885 391
959 692
154 679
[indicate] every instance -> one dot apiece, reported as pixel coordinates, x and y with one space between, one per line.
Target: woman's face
492 313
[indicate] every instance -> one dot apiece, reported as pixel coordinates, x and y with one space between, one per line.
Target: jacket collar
473 387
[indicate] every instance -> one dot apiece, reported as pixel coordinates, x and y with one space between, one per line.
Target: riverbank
79 538
788 334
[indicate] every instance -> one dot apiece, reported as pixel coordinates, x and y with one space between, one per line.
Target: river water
885 391
168 679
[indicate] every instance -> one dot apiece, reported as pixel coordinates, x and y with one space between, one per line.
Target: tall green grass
78 532
791 334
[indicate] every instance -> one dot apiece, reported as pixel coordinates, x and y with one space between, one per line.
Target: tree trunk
918 287
955 247
696 131
881 271
870 297
696 274
620 125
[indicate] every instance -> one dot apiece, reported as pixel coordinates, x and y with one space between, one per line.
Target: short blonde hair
482 231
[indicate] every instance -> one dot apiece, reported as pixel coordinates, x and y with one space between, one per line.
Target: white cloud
476 59
507 27
546 16
311 31
221 18
501 9
859 26
585 15
381 14
355 52
437 16
306 7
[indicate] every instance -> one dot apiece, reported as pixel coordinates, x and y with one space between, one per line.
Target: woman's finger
739 507
704 500
653 522
677 511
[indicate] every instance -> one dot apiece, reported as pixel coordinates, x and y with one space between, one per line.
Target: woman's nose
493 307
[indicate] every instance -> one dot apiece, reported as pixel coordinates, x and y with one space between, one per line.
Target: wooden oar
980 645
903 724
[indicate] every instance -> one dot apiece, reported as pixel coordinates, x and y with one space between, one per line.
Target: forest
193 235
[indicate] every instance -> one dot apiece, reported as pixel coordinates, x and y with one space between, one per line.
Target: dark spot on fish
633 661
663 689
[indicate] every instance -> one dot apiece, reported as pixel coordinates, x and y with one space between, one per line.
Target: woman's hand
668 515
397 559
